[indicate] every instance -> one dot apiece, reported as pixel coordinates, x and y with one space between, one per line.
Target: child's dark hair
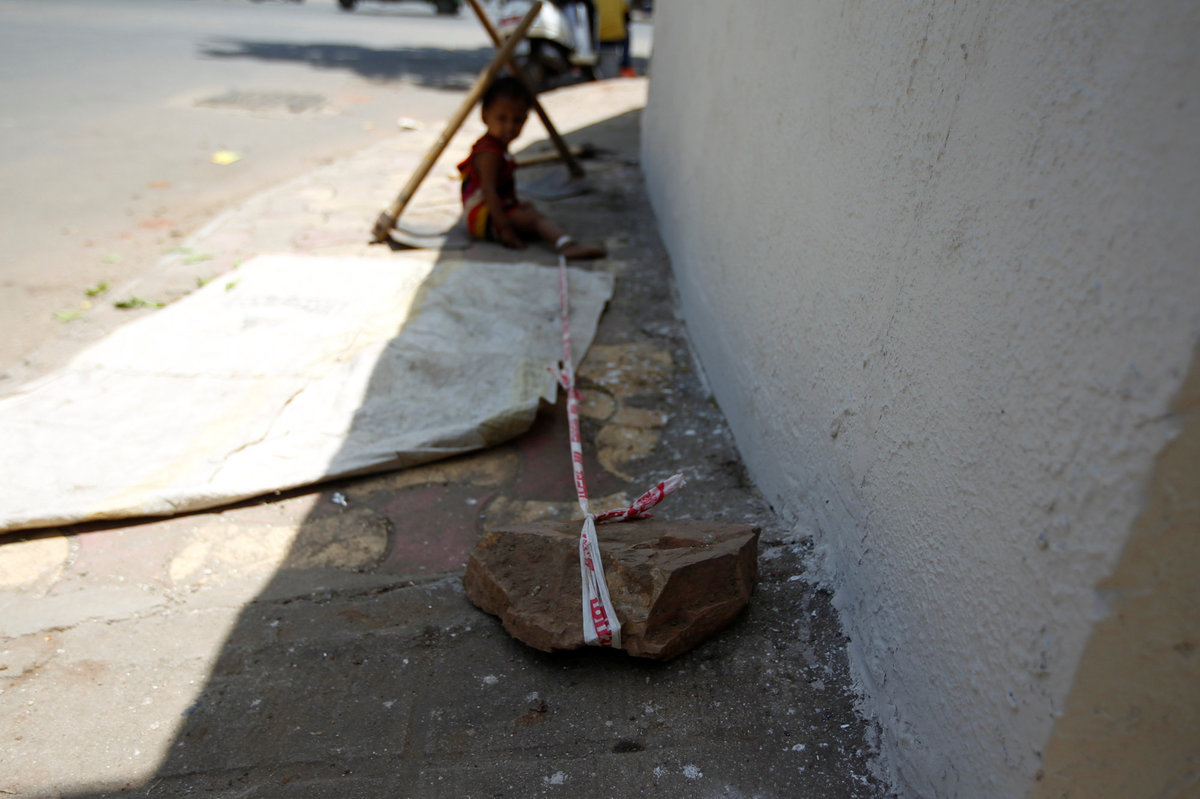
507 86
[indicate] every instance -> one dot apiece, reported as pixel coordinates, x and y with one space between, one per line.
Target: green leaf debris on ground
68 316
190 256
137 302
98 289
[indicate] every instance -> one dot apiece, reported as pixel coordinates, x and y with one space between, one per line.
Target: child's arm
489 167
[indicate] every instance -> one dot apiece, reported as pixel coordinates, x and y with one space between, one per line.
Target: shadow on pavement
431 67
362 670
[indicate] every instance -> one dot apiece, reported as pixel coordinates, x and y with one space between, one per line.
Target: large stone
672 583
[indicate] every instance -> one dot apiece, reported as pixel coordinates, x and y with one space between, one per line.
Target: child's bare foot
569 249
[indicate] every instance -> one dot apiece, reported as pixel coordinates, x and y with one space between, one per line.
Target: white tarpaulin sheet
291 370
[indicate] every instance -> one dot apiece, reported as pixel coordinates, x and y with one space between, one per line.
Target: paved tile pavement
318 643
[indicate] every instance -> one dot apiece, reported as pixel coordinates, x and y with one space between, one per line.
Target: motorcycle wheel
347 5
534 71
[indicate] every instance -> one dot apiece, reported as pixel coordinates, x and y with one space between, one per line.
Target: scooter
561 39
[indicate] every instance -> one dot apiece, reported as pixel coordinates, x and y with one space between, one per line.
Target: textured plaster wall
1131 726
941 261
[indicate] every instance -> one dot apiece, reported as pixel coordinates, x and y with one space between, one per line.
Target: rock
672 583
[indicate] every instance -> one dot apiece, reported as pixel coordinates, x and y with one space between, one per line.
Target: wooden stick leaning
387 219
573 165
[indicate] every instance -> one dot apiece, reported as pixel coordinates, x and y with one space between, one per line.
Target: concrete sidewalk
318 643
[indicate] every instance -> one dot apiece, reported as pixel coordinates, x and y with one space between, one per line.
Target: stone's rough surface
672 584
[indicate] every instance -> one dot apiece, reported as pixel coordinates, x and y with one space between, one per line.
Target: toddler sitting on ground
489 188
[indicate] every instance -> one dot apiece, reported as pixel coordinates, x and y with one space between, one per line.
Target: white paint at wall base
940 260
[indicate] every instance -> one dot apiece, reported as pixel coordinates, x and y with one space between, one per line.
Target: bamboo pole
573 165
387 219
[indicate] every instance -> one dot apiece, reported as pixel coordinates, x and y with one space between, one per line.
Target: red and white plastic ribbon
643 503
600 624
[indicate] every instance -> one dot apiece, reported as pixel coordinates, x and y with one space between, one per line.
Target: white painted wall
941 261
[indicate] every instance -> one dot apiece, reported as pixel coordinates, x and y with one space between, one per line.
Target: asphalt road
113 110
